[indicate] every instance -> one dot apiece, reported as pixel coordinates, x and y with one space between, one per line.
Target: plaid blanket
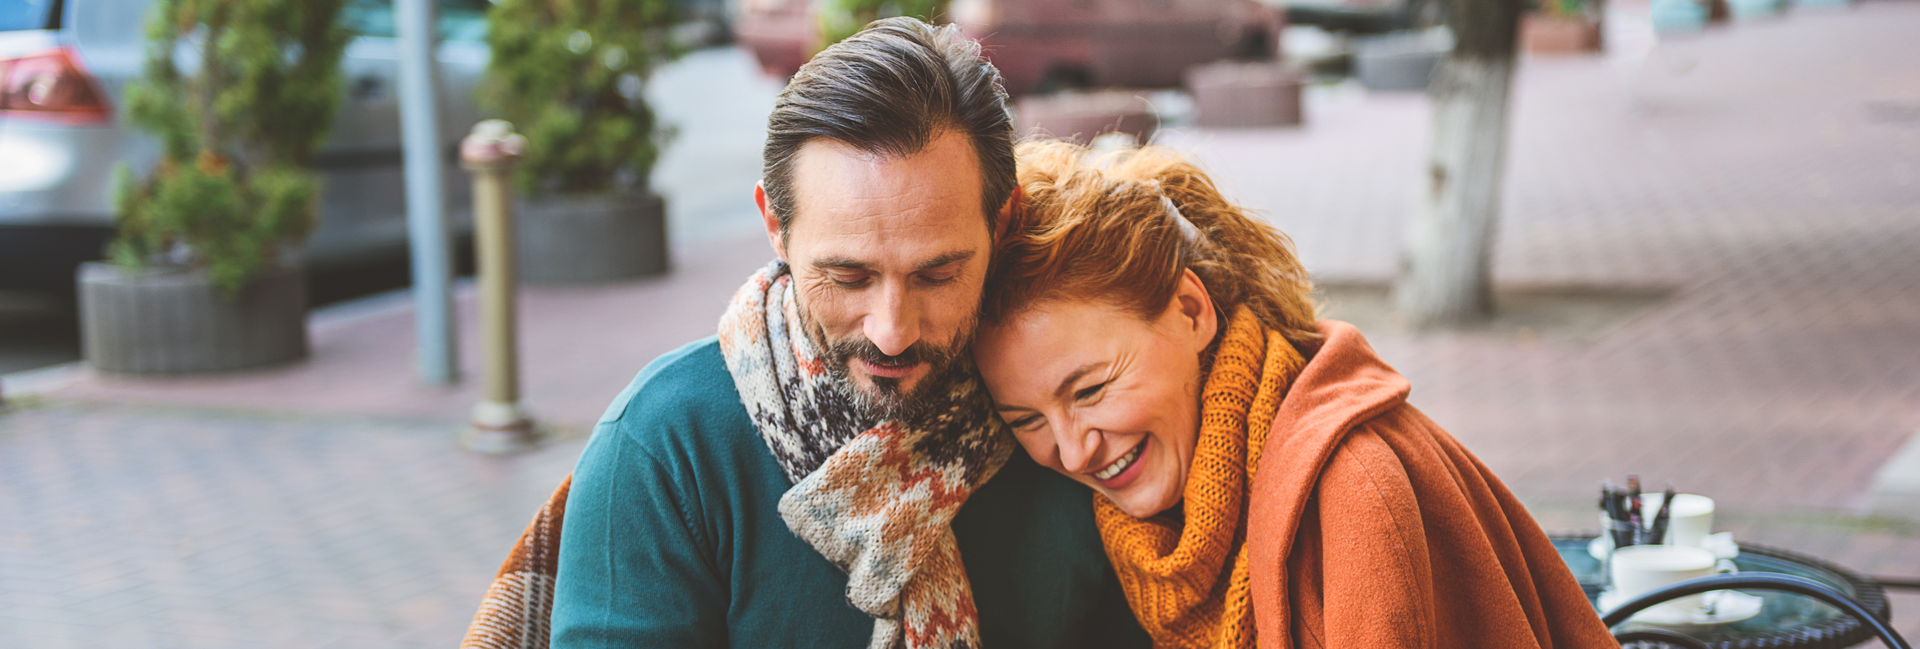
518 610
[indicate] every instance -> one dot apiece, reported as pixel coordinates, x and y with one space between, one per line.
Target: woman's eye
1024 423
1089 392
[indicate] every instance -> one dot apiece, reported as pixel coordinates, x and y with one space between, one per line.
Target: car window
16 15
460 20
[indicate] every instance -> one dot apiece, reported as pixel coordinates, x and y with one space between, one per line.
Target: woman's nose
1078 445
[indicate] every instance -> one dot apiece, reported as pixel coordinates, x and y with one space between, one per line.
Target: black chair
1755 580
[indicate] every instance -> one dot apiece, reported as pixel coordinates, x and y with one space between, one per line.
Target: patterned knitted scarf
1188 584
873 497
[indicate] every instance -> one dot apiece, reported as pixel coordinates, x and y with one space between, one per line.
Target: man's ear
770 220
1003 223
1196 308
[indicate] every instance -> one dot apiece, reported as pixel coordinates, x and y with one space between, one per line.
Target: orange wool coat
1370 526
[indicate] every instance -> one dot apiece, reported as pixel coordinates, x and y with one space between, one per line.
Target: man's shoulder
687 391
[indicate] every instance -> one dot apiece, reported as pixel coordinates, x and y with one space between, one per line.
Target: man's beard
889 399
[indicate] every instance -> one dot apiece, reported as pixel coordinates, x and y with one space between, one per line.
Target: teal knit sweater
673 538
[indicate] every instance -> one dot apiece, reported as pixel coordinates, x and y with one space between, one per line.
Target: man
817 475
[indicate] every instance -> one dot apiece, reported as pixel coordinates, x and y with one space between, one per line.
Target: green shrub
238 127
1564 7
569 75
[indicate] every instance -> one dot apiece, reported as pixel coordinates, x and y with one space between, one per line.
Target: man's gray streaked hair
890 90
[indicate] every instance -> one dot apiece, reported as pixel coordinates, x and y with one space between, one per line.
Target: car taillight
50 85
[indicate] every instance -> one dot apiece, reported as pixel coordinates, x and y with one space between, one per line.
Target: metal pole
499 425
426 217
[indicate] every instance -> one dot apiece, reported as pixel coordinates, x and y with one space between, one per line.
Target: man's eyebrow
1067 383
942 260
841 263
849 263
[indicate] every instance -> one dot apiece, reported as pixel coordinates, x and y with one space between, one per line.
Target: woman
1258 475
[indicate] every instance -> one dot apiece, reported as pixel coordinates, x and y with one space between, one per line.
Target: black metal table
1785 619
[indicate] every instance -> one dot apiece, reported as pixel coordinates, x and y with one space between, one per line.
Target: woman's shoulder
1372 467
1397 443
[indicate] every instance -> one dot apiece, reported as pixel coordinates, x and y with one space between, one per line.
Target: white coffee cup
1688 522
1641 569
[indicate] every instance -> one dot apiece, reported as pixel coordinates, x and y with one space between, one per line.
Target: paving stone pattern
143 527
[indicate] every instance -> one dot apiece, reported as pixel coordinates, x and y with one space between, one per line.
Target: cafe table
1785 619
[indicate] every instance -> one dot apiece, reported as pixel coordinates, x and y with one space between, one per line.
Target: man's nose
894 324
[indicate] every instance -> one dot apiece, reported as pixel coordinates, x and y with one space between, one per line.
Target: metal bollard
499 424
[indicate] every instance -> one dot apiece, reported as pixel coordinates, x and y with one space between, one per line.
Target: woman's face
1103 396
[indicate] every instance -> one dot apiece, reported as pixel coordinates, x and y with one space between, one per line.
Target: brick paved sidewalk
1760 181
155 528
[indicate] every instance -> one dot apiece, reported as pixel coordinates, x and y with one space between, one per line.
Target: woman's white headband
1188 230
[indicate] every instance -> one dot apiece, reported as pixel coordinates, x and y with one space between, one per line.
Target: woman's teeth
1120 464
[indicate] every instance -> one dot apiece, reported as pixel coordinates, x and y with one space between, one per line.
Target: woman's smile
1117 475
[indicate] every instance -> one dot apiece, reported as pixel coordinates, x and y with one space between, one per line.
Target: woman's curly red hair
1096 226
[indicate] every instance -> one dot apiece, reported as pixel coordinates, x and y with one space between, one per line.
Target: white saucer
1720 544
1728 607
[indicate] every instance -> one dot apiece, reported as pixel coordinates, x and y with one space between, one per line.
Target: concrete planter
172 320
1400 61
1544 34
587 239
1082 116
1235 94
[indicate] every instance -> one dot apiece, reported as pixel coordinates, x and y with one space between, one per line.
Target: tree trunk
1445 274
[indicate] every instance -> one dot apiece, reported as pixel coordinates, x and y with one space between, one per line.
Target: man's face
889 256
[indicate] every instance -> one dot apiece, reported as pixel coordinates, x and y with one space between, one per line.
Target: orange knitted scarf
1187 583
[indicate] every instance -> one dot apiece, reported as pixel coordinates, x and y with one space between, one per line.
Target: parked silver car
64 65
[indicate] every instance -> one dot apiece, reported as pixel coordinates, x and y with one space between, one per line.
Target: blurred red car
1045 45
